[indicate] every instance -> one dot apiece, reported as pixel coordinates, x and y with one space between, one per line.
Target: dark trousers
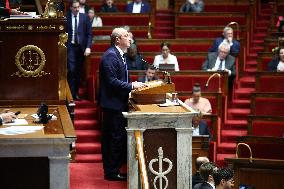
114 141
75 59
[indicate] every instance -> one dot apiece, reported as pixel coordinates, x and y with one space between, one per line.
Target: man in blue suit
114 91
199 127
78 45
228 36
138 6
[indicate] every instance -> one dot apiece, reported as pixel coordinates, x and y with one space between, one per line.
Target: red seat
267 128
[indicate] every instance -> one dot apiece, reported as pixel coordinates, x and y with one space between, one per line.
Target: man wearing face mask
228 37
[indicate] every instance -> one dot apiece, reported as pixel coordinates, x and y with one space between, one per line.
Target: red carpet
90 176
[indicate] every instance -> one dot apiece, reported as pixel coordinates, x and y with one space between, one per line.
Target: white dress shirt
172 59
218 61
280 66
137 7
73 27
195 131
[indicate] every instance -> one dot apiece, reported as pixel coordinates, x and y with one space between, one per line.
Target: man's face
91 14
223 52
82 2
195 121
150 74
229 34
132 52
75 8
124 40
137 1
196 96
109 2
227 184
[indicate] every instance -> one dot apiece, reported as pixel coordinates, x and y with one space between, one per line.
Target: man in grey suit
221 61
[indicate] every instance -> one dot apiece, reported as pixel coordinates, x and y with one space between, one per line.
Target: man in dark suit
206 171
150 74
113 98
78 45
133 59
199 127
138 6
221 61
227 37
196 178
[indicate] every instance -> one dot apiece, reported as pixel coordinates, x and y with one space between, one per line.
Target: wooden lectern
167 142
33 64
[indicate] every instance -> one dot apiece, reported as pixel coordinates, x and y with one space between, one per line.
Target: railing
141 161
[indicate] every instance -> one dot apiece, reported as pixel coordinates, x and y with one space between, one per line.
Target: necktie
220 65
76 31
7 4
125 66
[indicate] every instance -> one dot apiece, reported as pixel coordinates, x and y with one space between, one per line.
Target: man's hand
87 52
8 117
136 85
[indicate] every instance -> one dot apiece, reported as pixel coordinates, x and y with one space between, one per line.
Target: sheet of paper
18 130
17 122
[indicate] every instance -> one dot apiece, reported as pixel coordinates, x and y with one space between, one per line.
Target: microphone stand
219 81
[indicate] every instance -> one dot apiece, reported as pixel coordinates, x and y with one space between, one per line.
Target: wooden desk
39 159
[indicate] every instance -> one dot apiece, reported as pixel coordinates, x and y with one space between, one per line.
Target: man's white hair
224 44
226 29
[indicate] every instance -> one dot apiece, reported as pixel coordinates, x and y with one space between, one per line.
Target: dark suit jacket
203 185
3 11
135 64
272 65
234 50
113 88
211 60
84 31
145 8
196 178
203 129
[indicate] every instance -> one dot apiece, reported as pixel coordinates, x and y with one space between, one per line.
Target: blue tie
220 65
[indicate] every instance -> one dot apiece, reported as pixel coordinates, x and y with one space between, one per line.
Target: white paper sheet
18 130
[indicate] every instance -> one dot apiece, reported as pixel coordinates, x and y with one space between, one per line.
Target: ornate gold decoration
62 39
50 10
30 61
19 27
30 27
50 27
61 27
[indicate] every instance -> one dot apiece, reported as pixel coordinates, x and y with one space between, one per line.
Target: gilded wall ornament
30 60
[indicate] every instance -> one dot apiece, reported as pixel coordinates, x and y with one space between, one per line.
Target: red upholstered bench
266 126
267 104
122 19
269 82
138 32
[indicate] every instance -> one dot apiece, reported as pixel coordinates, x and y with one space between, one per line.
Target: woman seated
277 63
95 20
166 57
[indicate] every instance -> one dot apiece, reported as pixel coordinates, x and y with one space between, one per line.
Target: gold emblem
61 27
30 61
62 39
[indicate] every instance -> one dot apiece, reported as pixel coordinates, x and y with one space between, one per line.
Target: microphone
17 113
213 75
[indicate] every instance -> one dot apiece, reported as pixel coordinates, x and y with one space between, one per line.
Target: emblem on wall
160 173
30 60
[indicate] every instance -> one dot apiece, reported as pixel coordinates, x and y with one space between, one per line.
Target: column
59 172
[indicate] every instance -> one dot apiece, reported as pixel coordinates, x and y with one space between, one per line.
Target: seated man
7 117
192 6
133 59
199 127
223 178
196 178
197 102
150 74
221 61
206 172
138 6
108 6
228 36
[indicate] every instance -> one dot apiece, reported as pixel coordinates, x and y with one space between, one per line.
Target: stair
164 25
239 108
87 127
